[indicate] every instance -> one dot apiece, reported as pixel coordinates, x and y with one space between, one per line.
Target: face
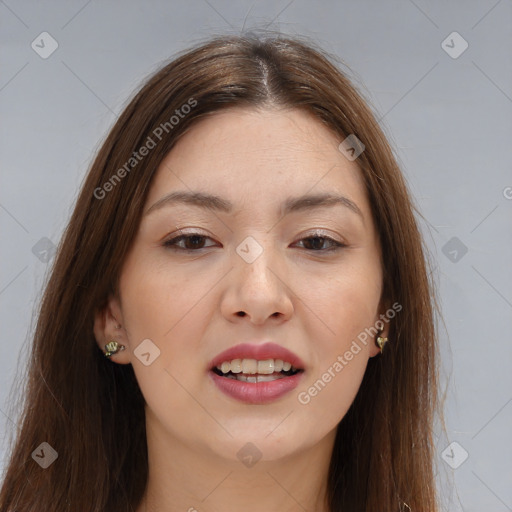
256 264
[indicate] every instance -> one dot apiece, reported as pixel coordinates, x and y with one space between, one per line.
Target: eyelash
172 243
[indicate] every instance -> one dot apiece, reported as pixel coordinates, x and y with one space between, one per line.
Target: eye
191 242
316 241
195 241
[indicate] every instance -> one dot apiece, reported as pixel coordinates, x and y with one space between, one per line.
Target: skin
313 302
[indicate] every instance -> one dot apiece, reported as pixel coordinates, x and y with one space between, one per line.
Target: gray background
448 118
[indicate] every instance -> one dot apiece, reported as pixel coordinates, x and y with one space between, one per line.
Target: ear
381 322
108 326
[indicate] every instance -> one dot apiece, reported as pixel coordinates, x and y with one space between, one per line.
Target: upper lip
260 351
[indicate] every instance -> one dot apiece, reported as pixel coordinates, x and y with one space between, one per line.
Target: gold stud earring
112 347
380 342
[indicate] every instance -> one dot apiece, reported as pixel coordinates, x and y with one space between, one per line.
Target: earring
380 342
112 347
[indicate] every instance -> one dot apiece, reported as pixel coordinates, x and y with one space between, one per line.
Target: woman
214 334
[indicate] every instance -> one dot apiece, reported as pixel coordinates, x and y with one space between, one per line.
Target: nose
257 291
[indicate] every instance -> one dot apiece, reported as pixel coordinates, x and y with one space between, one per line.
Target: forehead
259 156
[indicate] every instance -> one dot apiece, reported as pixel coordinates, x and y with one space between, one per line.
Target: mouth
256 373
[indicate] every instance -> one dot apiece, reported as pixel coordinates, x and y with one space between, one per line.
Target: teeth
266 367
255 378
253 367
249 366
236 366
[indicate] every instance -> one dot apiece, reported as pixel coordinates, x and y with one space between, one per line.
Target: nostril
241 313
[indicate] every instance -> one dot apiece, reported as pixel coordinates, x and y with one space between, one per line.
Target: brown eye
192 242
315 243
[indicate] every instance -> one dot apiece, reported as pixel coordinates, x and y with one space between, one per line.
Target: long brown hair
92 411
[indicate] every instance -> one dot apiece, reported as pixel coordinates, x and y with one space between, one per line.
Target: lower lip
256 392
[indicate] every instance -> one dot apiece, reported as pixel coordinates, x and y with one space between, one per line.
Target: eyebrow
292 204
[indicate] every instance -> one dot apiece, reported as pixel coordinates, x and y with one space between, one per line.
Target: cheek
163 305
158 299
347 305
344 302
331 392
339 361
158 307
